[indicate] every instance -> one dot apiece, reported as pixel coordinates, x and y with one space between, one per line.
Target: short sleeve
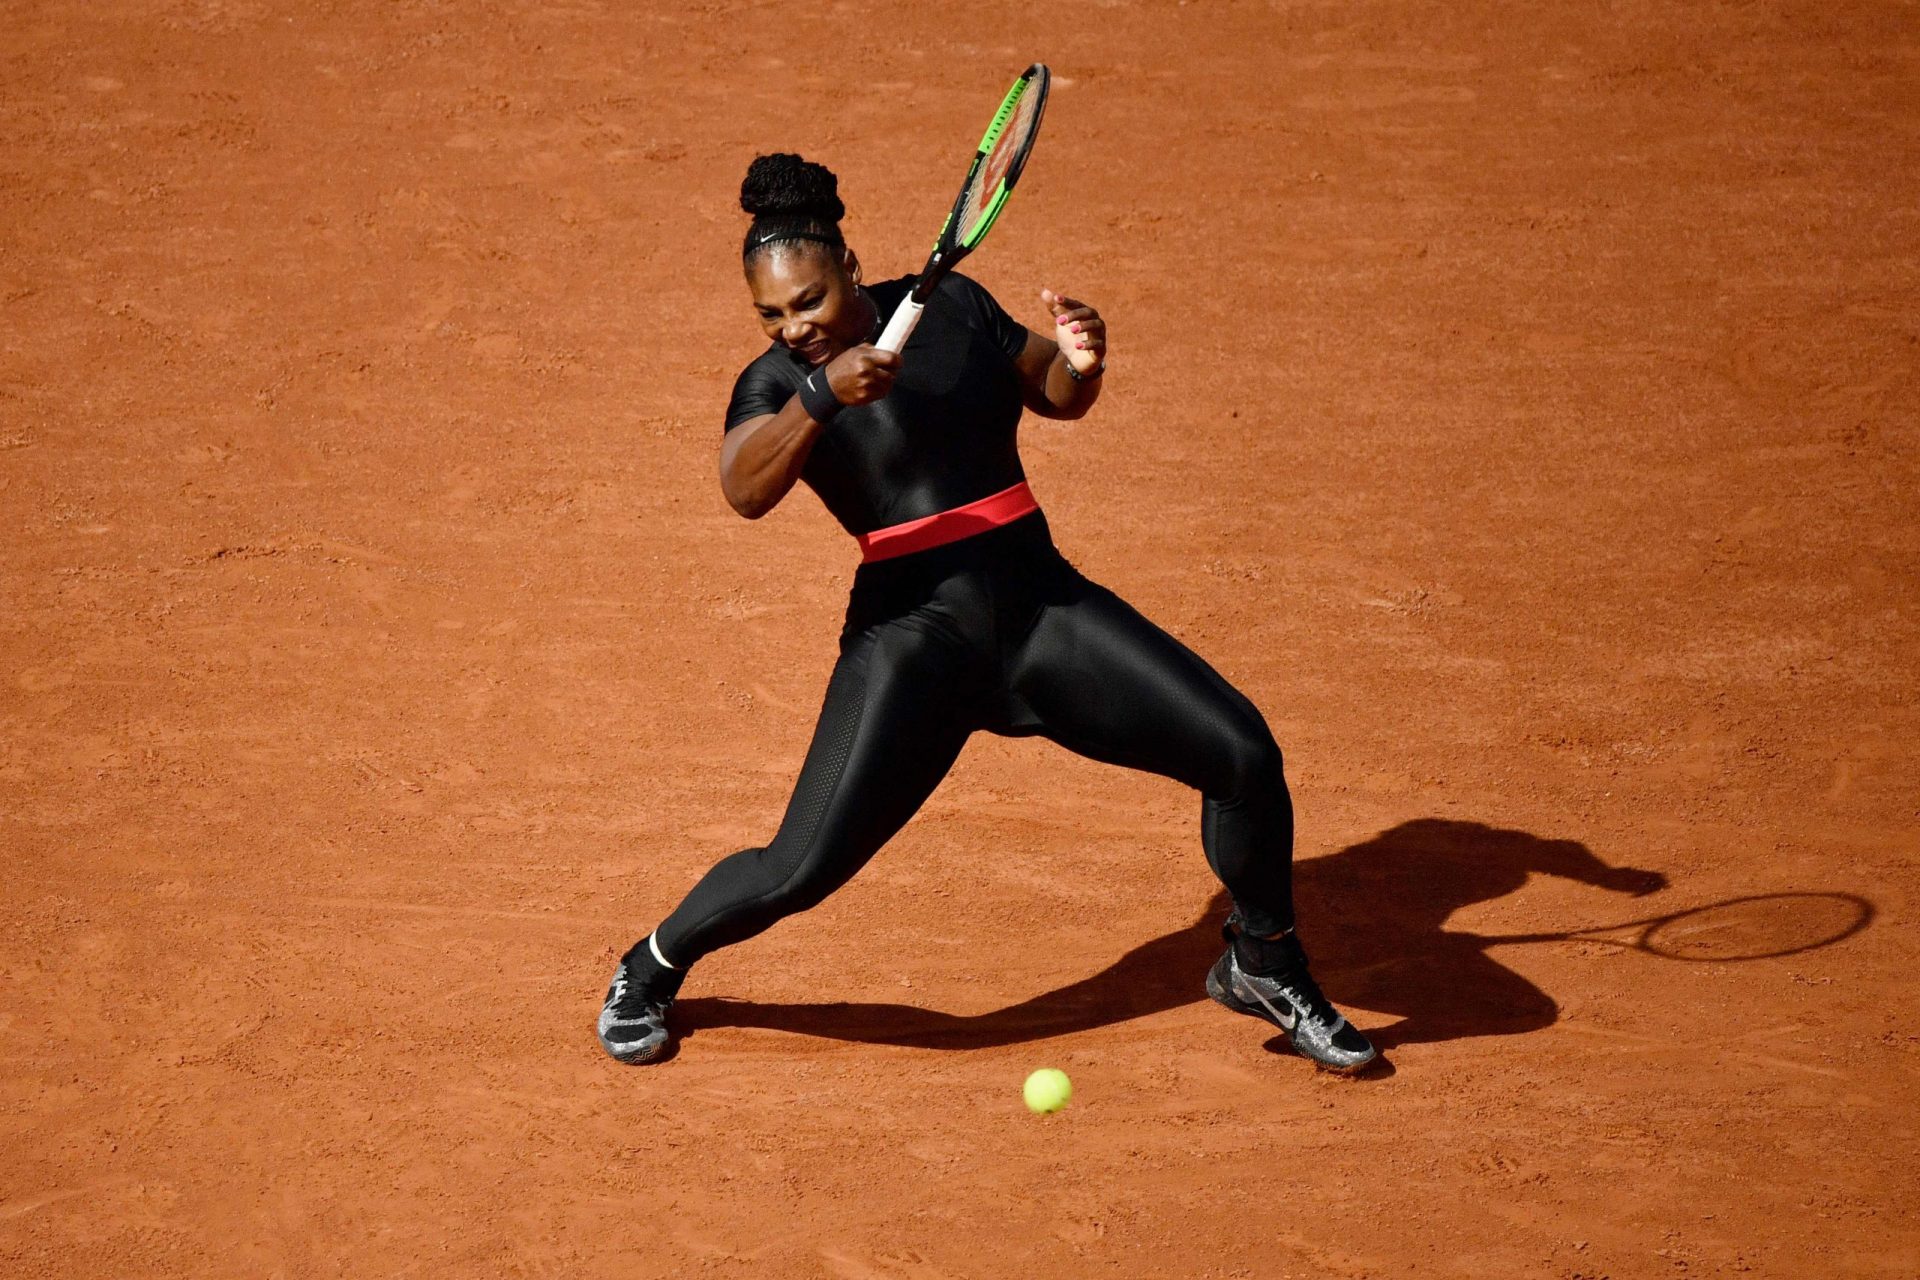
757 392
1007 335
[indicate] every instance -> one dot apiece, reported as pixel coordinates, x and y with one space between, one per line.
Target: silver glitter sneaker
633 1021
1291 1000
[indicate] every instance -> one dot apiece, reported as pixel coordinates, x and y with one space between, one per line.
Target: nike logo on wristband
818 399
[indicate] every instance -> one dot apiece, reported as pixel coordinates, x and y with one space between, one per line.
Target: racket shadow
1386 948
1380 909
1372 916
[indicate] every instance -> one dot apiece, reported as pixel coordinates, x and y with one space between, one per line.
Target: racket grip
900 328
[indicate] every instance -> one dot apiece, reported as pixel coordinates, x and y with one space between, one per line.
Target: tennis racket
1757 927
996 166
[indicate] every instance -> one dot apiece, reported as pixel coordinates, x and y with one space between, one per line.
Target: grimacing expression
806 299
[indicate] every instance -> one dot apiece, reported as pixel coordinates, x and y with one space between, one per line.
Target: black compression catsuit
995 632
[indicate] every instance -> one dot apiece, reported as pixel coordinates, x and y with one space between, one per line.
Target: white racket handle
900 328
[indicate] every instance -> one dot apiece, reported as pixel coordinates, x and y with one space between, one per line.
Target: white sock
653 945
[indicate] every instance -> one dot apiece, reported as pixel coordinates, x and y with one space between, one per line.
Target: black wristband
1078 376
817 398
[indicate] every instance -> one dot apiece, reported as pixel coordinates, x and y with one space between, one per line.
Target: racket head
1759 926
1001 157
996 167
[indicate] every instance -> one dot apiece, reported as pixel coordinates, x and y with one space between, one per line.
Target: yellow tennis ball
1047 1090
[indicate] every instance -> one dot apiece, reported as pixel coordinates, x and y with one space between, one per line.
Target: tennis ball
1047 1090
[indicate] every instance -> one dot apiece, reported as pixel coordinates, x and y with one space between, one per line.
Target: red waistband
943 527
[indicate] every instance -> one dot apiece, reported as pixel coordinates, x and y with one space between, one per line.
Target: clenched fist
862 374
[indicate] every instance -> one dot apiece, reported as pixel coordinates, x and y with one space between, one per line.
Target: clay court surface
1517 402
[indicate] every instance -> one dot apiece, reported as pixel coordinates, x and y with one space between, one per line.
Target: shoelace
1300 988
635 1001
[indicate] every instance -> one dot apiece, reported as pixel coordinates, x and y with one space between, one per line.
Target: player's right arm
762 457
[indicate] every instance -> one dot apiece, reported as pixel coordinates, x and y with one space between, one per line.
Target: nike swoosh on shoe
1286 1020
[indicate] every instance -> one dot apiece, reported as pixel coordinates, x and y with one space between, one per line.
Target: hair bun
783 184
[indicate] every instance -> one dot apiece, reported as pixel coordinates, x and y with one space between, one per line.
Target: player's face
807 301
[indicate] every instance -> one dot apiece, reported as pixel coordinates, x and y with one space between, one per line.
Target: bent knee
1250 761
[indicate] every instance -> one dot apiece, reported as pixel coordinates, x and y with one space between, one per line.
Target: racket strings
977 203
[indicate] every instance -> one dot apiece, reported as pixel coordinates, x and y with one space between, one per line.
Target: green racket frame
950 247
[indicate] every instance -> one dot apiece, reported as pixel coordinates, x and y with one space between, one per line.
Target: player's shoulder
963 296
768 381
886 294
965 288
953 287
776 364
982 312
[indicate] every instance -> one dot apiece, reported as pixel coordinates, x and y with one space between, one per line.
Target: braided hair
791 200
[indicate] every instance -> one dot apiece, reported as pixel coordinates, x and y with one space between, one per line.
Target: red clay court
1518 403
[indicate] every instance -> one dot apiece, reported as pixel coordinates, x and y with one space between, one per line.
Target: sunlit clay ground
1517 403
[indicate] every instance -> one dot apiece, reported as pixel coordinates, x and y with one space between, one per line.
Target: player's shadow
1371 917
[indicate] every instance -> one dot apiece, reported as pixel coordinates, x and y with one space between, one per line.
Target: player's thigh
892 723
1104 681
886 735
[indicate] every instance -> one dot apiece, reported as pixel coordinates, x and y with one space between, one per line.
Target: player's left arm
1078 343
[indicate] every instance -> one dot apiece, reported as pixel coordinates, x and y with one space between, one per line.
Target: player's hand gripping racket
996 167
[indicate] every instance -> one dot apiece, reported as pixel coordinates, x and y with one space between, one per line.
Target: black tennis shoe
633 1021
1288 997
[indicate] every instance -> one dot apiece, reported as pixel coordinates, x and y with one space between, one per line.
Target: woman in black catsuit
963 616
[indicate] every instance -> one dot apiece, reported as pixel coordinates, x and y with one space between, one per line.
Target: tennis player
963 615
